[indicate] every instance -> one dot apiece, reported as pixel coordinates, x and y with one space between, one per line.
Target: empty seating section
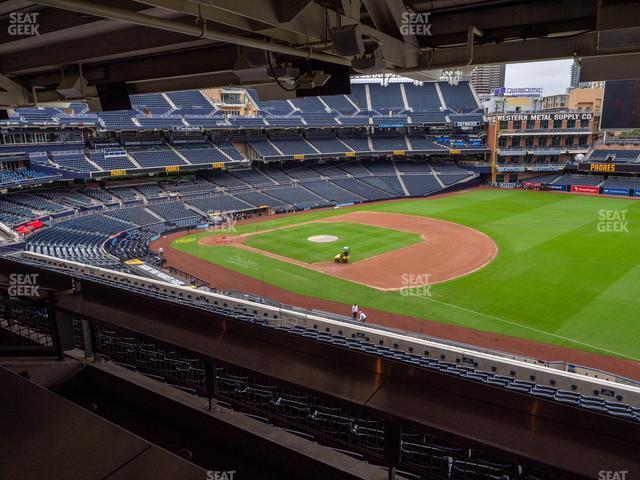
121 120
99 194
339 103
329 171
292 121
422 98
328 144
309 105
262 147
405 166
189 99
303 173
134 215
35 202
358 143
425 144
458 97
293 146
112 160
253 177
320 120
619 156
205 122
298 196
155 103
420 185
277 175
158 157
96 223
247 122
259 199
356 121
124 193
190 188
201 153
428 117
72 161
587 180
450 173
172 210
23 175
384 99
229 149
68 197
359 96
228 181
387 121
391 185
622 182
362 189
161 122
388 143
332 192
355 168
220 203
543 178
450 169
150 190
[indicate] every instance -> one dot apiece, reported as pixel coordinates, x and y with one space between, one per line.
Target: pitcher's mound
322 238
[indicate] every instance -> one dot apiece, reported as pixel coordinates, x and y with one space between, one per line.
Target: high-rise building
575 75
486 78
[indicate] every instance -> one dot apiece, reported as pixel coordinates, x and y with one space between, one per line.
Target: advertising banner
585 189
616 191
553 186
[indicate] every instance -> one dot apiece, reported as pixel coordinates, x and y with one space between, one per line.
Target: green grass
556 279
364 240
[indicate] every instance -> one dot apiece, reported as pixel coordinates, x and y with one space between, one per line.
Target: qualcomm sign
517 92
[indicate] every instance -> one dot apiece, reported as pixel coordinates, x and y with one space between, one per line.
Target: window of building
531 124
517 124
571 123
544 124
557 124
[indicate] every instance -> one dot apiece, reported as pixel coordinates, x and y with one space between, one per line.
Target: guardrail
521 368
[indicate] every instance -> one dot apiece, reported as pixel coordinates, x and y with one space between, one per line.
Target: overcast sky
553 76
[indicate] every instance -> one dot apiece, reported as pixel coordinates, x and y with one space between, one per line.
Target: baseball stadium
305 240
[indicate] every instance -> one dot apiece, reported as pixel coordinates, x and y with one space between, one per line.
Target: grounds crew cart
343 257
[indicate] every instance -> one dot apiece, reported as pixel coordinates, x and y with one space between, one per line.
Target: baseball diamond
546 247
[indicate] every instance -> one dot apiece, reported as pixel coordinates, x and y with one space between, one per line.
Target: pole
494 151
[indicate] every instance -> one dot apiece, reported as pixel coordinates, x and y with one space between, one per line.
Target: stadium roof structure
165 45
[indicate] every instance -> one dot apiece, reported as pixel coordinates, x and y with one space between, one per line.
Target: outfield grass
364 240
558 278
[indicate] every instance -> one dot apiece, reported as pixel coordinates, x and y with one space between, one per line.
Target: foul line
537 330
292 274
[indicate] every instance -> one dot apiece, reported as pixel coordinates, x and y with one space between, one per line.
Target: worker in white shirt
363 317
354 310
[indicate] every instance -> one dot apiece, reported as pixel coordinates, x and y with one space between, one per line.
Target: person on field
363 316
354 310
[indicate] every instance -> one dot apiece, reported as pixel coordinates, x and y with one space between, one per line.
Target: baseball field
554 268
